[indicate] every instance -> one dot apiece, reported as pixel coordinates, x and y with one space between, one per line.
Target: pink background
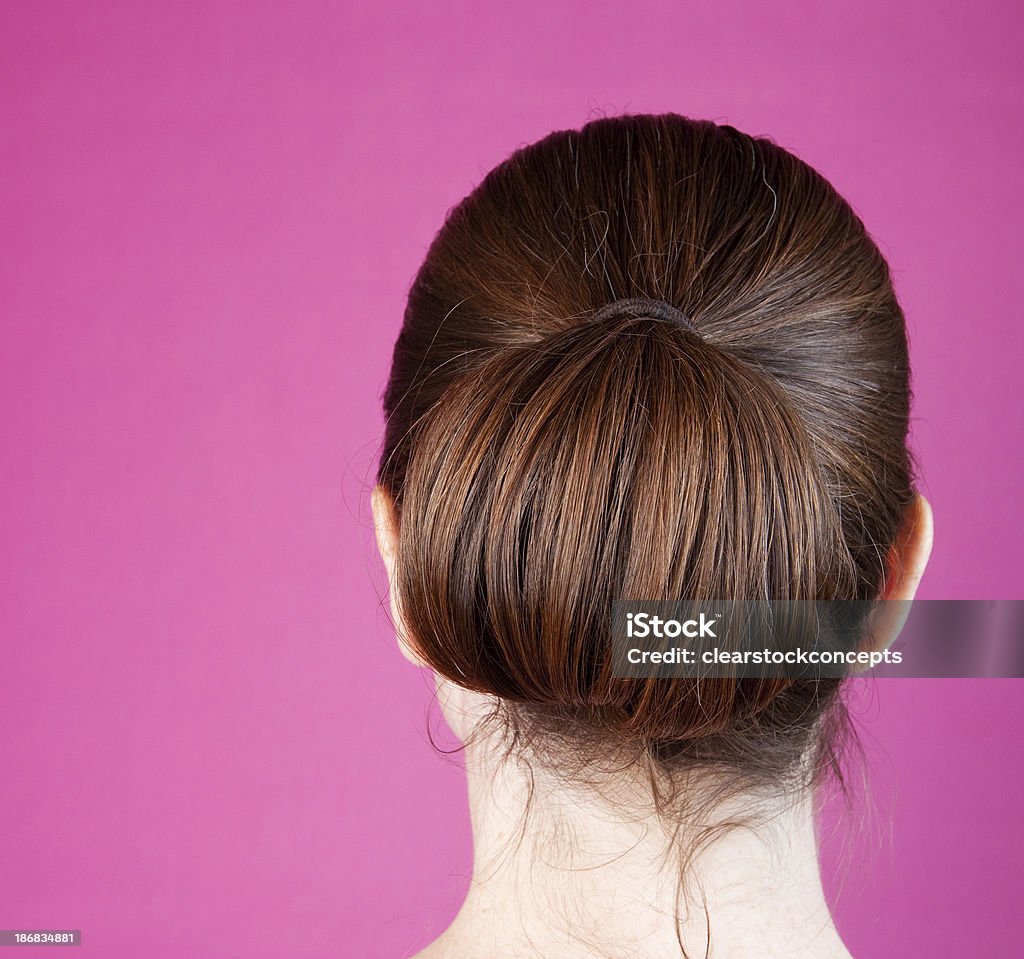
211 213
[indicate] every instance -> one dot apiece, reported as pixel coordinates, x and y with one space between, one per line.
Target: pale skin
588 875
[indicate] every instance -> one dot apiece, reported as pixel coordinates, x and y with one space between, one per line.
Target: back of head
545 460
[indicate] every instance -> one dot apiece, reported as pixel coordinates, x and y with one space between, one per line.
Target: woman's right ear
907 560
386 528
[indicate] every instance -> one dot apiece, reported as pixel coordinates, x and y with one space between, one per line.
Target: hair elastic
642 306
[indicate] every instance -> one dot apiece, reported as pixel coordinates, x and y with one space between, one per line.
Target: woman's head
543 460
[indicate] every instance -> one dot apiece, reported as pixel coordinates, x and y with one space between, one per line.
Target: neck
565 872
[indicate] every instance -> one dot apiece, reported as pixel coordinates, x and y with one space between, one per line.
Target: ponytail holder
642 306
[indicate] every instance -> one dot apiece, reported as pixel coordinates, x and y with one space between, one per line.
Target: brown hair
543 463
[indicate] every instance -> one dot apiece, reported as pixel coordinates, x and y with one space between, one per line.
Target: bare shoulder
442 948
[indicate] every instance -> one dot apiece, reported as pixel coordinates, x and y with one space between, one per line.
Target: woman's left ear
386 528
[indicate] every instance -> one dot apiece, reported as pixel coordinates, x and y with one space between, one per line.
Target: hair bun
547 457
